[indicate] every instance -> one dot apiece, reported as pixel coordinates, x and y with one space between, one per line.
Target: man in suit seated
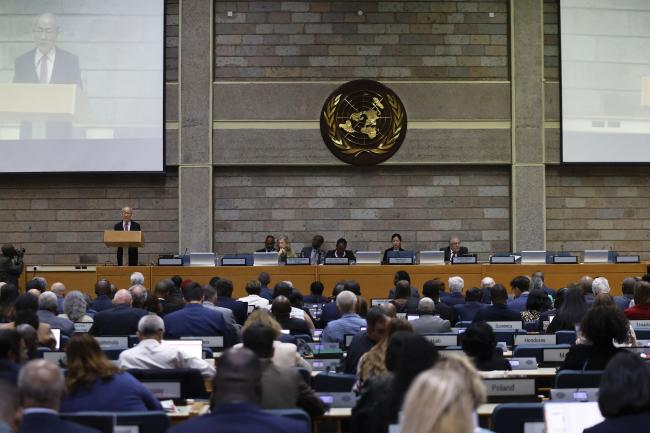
520 288
47 307
404 303
163 291
454 249
236 407
209 299
316 294
341 251
350 322
330 312
269 245
627 288
122 319
466 312
224 290
499 310
194 320
265 292
538 283
282 388
366 340
403 276
429 322
431 289
41 388
456 285
314 252
281 310
103 300
486 284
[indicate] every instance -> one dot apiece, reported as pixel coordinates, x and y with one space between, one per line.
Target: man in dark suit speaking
127 225
47 64
454 249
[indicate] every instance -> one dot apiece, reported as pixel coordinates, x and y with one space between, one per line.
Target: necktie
43 72
126 227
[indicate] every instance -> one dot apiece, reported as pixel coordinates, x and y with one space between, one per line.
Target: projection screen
81 85
605 62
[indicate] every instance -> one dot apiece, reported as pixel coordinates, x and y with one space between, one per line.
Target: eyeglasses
46 31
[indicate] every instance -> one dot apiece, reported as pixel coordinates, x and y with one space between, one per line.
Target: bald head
122 297
103 287
487 282
389 310
238 377
127 214
40 385
281 306
58 289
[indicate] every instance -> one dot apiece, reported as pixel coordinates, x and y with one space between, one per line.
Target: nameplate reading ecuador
535 339
208 341
509 387
113 343
514 324
442 339
337 261
554 355
640 323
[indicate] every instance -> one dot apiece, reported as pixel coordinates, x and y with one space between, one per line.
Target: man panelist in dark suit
127 225
47 64
314 252
454 249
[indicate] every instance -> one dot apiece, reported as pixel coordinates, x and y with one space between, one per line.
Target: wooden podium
119 238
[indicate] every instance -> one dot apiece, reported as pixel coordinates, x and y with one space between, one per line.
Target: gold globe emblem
363 122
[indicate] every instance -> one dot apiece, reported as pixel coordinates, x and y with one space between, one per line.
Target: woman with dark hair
624 396
93 383
545 317
480 343
26 307
641 308
396 240
8 295
601 327
407 355
570 313
537 303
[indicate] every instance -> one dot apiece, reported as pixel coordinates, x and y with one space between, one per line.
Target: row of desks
375 280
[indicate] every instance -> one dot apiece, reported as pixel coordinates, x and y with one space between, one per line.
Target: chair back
333 382
578 379
513 417
295 414
172 383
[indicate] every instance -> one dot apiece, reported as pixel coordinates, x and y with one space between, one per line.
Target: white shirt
296 313
255 300
150 354
51 56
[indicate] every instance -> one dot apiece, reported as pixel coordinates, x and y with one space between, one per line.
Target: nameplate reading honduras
554 355
502 387
443 339
640 323
535 339
514 324
113 343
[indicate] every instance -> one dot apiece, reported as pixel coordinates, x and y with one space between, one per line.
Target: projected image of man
47 64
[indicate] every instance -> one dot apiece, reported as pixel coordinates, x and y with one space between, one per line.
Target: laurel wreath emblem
385 146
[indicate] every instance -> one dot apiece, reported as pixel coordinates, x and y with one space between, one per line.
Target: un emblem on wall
363 122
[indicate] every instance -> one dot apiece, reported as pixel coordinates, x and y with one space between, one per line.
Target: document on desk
571 417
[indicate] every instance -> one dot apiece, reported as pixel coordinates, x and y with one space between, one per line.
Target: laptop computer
193 348
369 257
202 259
533 257
596 256
432 257
265 259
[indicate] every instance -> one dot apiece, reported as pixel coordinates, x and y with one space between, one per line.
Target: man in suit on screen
127 224
47 64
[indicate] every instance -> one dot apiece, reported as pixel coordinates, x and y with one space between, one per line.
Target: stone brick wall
61 219
171 40
551 39
598 207
284 40
425 205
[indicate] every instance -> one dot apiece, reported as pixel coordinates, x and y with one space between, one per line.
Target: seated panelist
396 240
341 251
269 245
284 249
454 249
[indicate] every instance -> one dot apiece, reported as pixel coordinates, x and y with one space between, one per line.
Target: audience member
389 310
93 383
330 312
466 311
641 309
520 286
585 286
103 292
316 294
627 288
38 283
433 289
30 337
570 312
546 316
366 340
40 390
75 308
537 282
137 279
286 289
235 408
8 407
285 354
281 310
499 310
26 307
58 289
456 284
253 288
624 395
404 303
209 300
265 292
224 290
122 319
164 290
282 388
429 322
480 343
537 303
8 296
12 355
47 308
407 356
139 295
151 354
486 284
604 299
194 320
350 322
601 327
402 276
600 285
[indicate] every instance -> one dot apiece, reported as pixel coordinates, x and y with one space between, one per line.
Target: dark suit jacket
626 423
101 303
496 313
414 293
587 357
119 320
240 417
463 251
349 254
466 312
453 299
315 299
497 362
306 252
360 344
132 252
49 423
384 260
295 326
408 307
10 270
328 313
194 320
446 312
239 309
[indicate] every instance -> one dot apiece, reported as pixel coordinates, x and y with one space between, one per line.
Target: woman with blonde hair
284 354
284 248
